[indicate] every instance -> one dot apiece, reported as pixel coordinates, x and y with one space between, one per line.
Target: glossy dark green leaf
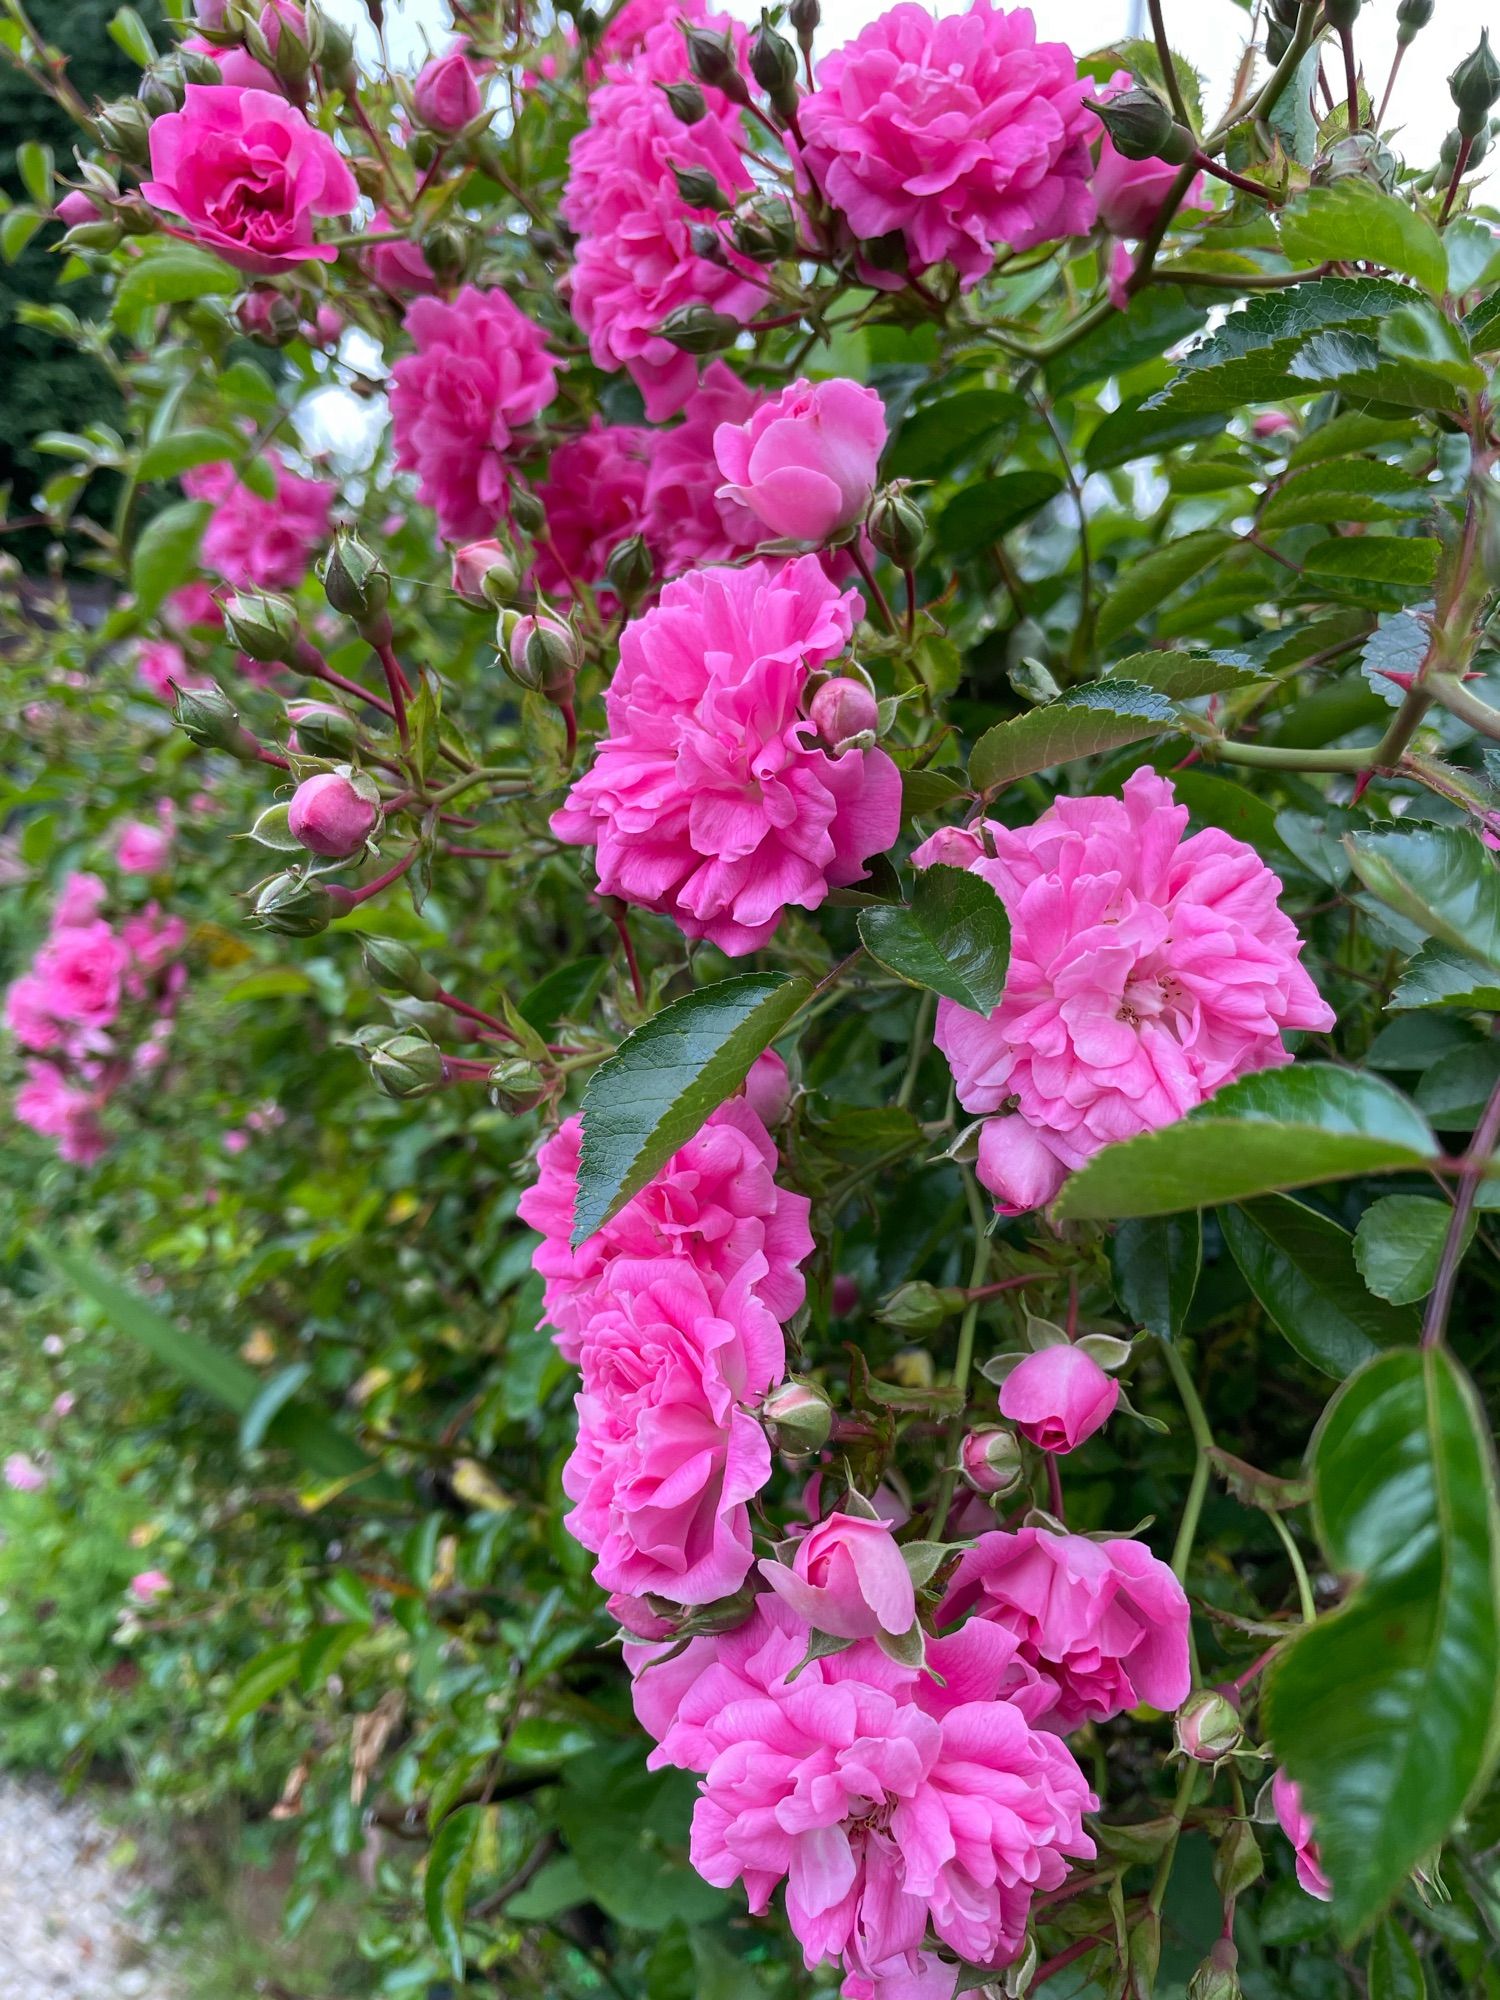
1356 221
627 1828
1353 361
1408 560
942 433
1398 1243
1387 1711
1182 676
1453 1091
1393 1971
1103 715
662 1082
167 273
1246 360
1280 1129
1155 320
980 515
1132 431
1441 878
1301 1266
445 1886
1345 489
1440 976
1142 585
567 994
1155 1262
953 937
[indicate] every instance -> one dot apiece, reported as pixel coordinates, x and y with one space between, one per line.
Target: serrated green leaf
1441 976
1182 676
1356 221
1246 360
1398 1243
1133 431
662 1082
1442 879
1301 1266
1155 320
1408 560
1386 1712
1350 431
1278 1129
1104 715
981 515
445 1886
1352 361
1155 1262
1142 585
1345 489
953 937
1453 1091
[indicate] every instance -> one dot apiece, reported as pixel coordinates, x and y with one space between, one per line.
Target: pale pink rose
594 495
1146 971
330 816
965 133
65 1112
715 1206
248 175
1130 193
144 848
848 1578
148 1585
264 544
1286 1798
806 462
669 1451
687 522
81 969
1058 1397
399 268
1100 1626
472 564
768 1088
80 900
707 800
445 95
480 373
23 1474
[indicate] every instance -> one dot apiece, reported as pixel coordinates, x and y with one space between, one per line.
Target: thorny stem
1351 77
1481 1152
867 578
1460 168
1206 165
1265 100
1168 67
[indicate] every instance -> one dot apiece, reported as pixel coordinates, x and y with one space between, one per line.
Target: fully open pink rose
144 847
67 1113
1058 1397
687 521
1296 1824
248 175
594 494
398 268
848 1578
805 463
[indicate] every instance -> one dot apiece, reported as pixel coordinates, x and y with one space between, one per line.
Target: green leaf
1133 431
322 1650
1393 1970
1440 976
1441 878
1246 360
277 1393
16 231
1301 1266
662 1082
1354 221
1103 715
953 937
183 449
1155 320
445 1886
1350 431
129 32
1141 586
1345 489
627 1830
1399 559
1454 1090
1387 1711
266 1675
944 433
1420 334
1350 359
1278 1129
1183 676
1398 1243
568 993
980 515
1155 1264
169 273
557 1887
166 551
34 165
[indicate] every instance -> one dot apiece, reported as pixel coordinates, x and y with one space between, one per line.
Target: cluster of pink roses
256 543
93 1009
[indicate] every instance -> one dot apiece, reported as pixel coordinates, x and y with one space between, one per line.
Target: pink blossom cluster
635 263
711 798
251 542
673 1311
1146 971
93 1008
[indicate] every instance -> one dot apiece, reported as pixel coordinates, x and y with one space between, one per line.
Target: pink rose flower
593 494
23 1474
143 848
75 207
1146 971
965 133
256 543
714 1206
1100 1626
1130 193
248 175
806 462
669 1453
331 816
848 1578
62 1111
148 1585
81 969
481 371
1286 1798
707 800
161 666
1058 1397
687 521
398 268
768 1088
81 899
236 66
842 710
445 95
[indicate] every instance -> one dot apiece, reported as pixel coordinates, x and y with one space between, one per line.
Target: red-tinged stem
457 1006
908 578
1050 1966
570 729
1256 1668
350 899
478 853
308 660
1481 1151
1009 1285
385 652
621 923
1247 186
270 757
1390 85
867 578
1054 1487
1351 77
398 687
1460 168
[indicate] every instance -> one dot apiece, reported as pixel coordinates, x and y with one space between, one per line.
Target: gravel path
74 1924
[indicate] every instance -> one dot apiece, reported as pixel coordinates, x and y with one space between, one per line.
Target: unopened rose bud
1217 1978
292 38
1141 126
261 625
712 59
1479 145
93 236
206 716
292 905
446 249
705 241
686 100
805 17
1358 156
1341 14
516 1085
773 64
630 571
799 1416
369 175
698 329
124 127
406 1065
1208 1727
726 1614
528 513
76 207
326 327
699 189
321 730
1474 87
336 51
845 714
1412 17
896 524
333 814
990 1460
357 583
920 1307
484 574
199 66
163 87
396 967
543 655
268 316
766 230
445 96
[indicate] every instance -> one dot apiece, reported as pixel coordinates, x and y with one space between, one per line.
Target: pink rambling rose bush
708 798
594 496
964 133
399 267
249 176
805 463
688 522
480 373
848 1578
1146 971
264 544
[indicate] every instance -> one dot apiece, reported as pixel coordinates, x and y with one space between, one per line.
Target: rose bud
799 1417
76 207
327 327
843 1296
896 525
845 714
445 96
848 1578
542 654
320 729
990 1460
331 815
1058 1397
805 462
268 316
292 906
390 963
768 1087
484 574
635 1616
1208 1726
1217 1978
406 1065
516 1085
